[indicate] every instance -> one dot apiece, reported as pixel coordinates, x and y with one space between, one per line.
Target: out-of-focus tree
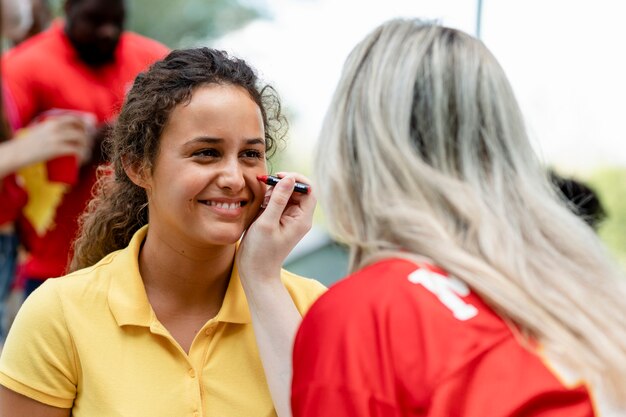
185 23
610 185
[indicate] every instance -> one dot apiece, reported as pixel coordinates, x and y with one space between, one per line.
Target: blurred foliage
610 186
185 23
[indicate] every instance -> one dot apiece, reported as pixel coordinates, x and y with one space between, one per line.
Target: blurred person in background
81 66
581 199
53 138
170 310
474 290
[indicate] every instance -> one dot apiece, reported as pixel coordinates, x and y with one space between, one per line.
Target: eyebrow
210 140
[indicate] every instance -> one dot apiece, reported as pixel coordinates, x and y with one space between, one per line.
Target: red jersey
400 339
13 199
45 73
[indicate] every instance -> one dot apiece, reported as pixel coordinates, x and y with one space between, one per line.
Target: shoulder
69 293
371 304
303 291
78 289
398 299
355 326
62 305
372 287
401 285
40 47
41 319
42 304
39 357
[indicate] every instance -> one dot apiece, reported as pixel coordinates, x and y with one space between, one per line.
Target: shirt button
192 373
196 414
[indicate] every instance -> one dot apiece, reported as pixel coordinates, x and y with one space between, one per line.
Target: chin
95 56
94 60
223 238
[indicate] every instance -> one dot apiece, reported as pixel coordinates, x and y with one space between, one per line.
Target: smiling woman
169 309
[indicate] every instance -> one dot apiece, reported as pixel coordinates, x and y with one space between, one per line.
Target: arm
38 364
275 318
54 137
13 404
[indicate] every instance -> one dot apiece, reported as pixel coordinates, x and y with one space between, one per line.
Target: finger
266 197
279 199
299 178
306 201
65 121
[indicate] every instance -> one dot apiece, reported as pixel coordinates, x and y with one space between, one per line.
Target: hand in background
51 138
58 136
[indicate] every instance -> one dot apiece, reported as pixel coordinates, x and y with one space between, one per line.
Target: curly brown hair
119 207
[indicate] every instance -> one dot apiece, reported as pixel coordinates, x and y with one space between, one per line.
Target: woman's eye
252 153
206 153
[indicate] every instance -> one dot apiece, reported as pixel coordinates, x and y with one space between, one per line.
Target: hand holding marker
272 180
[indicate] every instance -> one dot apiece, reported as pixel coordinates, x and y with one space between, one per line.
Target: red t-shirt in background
12 199
400 339
45 73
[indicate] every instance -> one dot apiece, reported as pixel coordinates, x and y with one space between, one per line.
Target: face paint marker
272 180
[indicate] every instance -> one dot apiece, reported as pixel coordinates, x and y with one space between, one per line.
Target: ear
137 172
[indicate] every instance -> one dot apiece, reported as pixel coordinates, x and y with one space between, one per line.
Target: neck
185 282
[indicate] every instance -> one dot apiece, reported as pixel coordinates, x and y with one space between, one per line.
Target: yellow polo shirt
90 341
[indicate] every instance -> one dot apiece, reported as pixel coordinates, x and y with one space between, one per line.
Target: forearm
13 156
275 320
62 135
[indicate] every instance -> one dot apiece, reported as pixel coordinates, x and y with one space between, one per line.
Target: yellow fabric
43 196
91 341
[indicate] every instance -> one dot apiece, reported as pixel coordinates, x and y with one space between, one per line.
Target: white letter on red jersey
448 290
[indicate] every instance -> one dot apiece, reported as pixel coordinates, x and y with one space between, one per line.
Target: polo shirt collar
127 295
235 306
128 300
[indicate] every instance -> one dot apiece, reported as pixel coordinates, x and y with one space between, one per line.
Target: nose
231 176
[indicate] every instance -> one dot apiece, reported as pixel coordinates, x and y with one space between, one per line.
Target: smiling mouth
224 206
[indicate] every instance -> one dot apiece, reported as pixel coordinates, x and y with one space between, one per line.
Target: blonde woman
52 138
475 291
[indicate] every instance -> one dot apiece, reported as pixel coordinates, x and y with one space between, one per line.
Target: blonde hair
424 153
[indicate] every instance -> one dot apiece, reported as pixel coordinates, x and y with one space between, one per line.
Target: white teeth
225 206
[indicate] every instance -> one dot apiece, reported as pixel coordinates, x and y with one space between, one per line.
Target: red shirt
398 339
45 73
13 199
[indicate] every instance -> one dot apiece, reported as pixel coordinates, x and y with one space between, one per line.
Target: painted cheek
258 190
